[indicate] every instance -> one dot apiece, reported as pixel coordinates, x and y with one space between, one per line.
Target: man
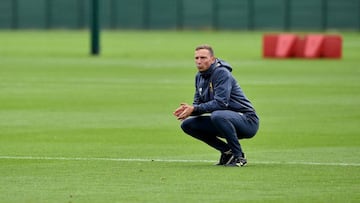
232 116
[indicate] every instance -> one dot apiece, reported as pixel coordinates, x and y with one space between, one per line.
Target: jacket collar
208 72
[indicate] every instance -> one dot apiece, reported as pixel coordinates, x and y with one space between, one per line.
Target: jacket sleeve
221 83
196 95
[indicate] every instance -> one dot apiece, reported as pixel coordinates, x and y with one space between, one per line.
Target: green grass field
76 128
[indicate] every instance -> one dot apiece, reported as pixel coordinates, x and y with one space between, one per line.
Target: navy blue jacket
217 89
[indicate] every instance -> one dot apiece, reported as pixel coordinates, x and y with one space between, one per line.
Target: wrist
195 108
192 108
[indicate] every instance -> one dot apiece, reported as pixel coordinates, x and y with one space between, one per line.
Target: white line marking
168 160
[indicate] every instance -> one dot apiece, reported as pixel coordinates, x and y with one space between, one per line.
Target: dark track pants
225 124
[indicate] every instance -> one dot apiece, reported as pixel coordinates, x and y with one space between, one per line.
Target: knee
186 126
217 116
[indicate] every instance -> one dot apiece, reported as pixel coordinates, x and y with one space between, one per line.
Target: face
203 59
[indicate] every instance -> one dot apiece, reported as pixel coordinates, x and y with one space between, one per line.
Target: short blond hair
207 47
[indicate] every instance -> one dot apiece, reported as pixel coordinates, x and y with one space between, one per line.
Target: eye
200 57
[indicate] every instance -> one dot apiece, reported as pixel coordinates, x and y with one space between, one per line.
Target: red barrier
269 45
309 46
332 47
313 46
299 47
285 45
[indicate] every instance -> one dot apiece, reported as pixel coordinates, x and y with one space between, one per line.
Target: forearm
208 107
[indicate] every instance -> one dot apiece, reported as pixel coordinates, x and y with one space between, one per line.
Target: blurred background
286 15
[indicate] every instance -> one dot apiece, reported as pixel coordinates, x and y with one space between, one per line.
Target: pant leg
234 126
202 128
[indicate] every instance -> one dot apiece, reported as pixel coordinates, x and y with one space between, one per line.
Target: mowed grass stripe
166 160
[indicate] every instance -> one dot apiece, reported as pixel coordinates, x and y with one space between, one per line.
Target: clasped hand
183 111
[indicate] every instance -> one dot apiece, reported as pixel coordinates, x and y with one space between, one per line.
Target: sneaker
236 161
224 158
